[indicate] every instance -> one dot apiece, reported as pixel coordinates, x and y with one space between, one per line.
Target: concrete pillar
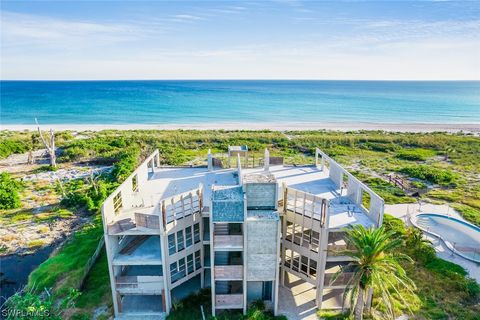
321 266
210 160
277 270
266 160
109 248
316 157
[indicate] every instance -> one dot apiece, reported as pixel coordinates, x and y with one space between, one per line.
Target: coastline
287 126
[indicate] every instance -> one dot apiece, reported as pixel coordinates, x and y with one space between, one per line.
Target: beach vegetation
9 192
416 154
65 270
443 289
28 305
431 174
44 168
388 191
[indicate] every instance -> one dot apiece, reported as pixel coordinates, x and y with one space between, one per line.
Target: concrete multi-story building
238 228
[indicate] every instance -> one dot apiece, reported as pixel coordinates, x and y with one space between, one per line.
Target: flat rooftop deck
167 182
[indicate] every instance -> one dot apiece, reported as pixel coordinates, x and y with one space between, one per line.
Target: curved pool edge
413 221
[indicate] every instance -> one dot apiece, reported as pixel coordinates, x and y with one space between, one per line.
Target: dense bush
128 161
431 174
9 197
10 146
415 154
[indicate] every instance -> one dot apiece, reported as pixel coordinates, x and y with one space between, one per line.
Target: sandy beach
343 126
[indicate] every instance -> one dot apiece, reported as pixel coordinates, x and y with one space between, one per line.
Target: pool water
459 235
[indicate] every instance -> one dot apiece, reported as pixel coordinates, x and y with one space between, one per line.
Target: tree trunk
359 305
53 159
50 146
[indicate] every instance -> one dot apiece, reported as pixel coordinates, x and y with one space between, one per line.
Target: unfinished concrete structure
172 230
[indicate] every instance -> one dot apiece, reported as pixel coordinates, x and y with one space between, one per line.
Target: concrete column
323 164
322 260
210 160
109 245
245 248
266 160
212 260
277 271
316 157
165 270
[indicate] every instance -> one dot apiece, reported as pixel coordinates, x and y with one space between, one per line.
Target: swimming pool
461 237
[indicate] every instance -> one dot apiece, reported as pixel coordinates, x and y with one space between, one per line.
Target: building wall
261 250
261 195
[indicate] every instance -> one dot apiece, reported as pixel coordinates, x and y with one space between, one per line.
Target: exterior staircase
221 229
134 244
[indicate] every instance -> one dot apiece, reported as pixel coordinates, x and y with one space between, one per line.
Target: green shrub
28 305
418 184
9 188
389 192
127 163
431 174
14 145
45 168
415 154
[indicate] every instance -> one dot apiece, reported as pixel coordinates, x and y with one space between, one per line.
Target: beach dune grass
65 269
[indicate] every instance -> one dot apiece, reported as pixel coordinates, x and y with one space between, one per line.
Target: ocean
221 101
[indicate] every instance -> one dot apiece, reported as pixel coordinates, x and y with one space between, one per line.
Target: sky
285 39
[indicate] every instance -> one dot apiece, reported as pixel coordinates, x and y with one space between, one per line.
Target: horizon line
231 79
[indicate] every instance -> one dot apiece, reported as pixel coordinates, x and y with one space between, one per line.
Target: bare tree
49 145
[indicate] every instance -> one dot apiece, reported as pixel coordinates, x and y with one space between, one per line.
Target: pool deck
402 211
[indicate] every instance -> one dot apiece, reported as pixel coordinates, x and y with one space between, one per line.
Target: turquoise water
191 102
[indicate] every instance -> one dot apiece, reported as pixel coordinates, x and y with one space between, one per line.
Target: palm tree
375 266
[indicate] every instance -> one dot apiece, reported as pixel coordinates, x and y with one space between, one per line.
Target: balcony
229 301
229 242
228 273
139 284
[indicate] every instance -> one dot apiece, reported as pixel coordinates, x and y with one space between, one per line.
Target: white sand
276 126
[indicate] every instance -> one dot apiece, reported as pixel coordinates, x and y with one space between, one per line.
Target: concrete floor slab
185 289
141 304
148 251
297 299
